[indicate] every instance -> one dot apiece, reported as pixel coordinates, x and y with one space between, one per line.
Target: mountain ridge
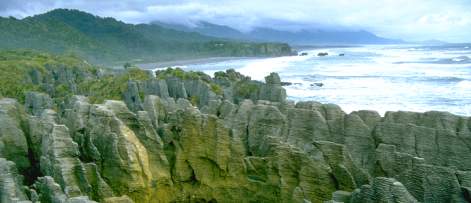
300 37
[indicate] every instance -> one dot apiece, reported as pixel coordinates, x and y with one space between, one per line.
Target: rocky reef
178 136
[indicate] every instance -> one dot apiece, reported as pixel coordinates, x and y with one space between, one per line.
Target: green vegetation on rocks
111 86
23 71
246 89
184 75
216 89
61 76
88 134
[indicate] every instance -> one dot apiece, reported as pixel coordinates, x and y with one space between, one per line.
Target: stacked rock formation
185 141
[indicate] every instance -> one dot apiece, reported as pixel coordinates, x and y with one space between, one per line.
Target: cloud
408 19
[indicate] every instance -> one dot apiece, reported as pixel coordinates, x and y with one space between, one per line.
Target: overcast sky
448 20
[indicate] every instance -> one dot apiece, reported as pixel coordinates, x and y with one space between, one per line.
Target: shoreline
184 62
205 60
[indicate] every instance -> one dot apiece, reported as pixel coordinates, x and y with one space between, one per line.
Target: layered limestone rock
383 190
191 138
11 186
13 141
68 178
272 90
36 102
50 191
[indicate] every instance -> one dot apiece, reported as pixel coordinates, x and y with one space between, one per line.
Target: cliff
132 136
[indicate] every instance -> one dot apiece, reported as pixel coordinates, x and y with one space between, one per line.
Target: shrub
246 89
194 100
112 86
216 89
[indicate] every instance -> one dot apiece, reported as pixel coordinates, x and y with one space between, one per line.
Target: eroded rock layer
225 139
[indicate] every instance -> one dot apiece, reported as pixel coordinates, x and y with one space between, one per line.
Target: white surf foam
258 69
378 78
466 84
165 68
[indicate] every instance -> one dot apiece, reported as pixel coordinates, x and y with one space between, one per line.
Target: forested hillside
109 41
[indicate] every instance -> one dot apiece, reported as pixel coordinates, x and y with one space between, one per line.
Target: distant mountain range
304 37
109 41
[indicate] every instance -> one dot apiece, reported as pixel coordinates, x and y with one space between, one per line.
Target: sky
411 20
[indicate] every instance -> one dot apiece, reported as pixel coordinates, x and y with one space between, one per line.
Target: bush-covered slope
23 71
109 41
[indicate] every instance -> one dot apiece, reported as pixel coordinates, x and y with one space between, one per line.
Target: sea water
381 78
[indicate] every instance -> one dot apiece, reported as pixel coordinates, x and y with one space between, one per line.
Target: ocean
381 78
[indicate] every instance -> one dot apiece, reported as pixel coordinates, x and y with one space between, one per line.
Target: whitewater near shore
381 78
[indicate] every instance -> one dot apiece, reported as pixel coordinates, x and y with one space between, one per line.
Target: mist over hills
105 40
302 37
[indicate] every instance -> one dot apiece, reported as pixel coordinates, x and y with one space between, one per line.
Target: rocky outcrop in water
192 138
